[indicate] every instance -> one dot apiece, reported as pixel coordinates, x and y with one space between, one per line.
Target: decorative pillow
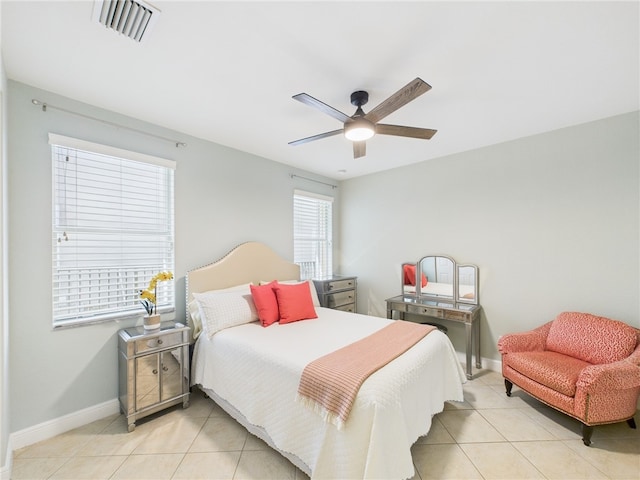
312 287
266 303
224 310
194 309
294 302
196 319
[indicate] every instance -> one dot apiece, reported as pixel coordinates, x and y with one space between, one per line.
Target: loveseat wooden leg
587 431
508 385
631 422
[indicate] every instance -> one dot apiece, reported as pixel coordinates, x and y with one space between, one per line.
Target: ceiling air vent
132 19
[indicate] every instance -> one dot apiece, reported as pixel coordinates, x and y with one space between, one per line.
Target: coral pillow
294 302
265 299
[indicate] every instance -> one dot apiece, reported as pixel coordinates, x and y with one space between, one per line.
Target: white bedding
257 371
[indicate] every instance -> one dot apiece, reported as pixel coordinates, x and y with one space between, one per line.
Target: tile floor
489 436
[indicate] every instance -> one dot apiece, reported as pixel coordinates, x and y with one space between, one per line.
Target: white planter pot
152 322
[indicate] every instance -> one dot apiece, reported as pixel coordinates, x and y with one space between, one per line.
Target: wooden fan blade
323 107
410 91
359 149
400 131
316 137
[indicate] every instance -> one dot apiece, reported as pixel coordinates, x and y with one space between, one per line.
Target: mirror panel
438 272
467 284
408 278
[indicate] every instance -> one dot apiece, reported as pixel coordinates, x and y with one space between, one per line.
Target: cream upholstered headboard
250 262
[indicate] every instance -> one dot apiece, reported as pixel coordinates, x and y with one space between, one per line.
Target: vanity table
456 312
439 288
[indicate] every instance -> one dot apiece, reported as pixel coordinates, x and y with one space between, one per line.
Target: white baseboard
5 471
487 363
54 427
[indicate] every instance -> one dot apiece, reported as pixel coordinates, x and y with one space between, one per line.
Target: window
312 234
113 230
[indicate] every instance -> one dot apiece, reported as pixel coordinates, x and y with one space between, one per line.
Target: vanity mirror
440 277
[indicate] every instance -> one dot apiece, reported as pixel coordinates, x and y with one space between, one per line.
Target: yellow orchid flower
148 296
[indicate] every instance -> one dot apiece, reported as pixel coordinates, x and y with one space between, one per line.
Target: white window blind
313 234
113 230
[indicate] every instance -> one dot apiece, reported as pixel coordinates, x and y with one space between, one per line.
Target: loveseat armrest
608 377
634 358
531 341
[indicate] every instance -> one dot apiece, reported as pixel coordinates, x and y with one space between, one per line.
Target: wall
222 197
551 220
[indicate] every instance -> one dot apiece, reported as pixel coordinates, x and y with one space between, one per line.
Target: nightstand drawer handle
165 369
159 341
155 371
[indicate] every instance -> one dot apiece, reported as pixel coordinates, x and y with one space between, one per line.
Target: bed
253 373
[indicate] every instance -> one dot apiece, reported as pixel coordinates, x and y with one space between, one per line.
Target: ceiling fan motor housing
359 98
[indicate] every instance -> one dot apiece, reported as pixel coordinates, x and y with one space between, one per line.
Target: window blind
313 234
113 230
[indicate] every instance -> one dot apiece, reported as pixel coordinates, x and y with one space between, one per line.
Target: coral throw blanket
329 384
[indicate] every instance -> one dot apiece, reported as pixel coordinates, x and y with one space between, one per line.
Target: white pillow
224 310
196 318
194 308
312 287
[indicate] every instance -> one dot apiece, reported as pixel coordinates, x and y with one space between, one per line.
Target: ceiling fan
361 126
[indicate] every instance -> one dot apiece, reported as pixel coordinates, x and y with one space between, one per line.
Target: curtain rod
46 105
293 175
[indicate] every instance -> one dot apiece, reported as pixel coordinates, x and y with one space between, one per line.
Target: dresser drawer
337 285
157 343
456 315
422 310
340 298
350 307
334 285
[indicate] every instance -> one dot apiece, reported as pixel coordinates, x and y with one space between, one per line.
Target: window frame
323 263
116 276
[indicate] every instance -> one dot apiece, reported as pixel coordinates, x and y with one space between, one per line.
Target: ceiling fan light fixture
358 130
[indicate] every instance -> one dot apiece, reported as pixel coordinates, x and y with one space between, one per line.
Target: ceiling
226 71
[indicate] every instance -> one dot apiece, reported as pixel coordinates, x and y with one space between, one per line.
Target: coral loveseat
583 365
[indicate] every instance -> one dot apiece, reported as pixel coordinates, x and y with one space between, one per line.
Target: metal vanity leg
468 327
477 334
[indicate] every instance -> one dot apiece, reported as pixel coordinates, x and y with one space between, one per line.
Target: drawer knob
159 341
155 371
330 287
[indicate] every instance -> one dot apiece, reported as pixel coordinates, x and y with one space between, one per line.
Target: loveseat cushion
590 338
554 370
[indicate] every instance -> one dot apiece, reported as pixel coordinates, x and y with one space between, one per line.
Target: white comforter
257 370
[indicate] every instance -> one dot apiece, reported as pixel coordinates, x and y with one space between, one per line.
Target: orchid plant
148 296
